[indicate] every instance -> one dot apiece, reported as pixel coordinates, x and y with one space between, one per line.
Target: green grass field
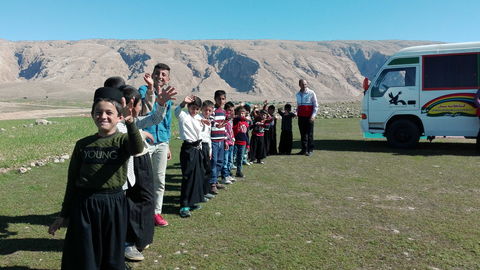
20 143
354 204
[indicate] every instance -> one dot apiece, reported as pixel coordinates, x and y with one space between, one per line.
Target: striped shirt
229 131
218 133
259 128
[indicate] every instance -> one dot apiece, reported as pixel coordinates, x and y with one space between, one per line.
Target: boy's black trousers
96 231
206 167
285 146
193 175
141 204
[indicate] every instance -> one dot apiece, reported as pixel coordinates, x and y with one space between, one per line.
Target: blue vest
161 131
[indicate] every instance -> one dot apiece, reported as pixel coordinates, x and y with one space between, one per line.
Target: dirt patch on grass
12 111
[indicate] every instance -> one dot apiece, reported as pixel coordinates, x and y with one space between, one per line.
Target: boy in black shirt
94 202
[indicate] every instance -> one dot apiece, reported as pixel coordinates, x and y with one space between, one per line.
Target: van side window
396 77
453 71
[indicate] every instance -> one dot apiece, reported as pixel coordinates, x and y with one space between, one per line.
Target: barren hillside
246 69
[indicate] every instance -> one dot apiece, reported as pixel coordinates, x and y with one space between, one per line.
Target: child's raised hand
165 95
127 110
189 99
57 223
148 79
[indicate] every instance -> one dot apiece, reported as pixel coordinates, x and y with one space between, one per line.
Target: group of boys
115 189
216 140
212 133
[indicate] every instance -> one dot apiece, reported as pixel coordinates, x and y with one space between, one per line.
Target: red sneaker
159 220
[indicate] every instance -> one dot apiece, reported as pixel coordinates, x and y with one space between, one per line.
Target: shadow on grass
174 166
171 204
44 220
172 183
422 149
19 268
8 246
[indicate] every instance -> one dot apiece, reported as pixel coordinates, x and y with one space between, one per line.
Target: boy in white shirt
193 174
206 118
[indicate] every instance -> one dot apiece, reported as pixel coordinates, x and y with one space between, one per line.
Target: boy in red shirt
240 129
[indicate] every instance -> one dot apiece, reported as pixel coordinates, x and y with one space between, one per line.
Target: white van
424 91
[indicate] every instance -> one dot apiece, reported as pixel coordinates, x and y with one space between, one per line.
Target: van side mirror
366 84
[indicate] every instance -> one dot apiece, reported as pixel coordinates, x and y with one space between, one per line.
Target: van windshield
395 77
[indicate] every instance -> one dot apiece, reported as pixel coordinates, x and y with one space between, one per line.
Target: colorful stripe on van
458 104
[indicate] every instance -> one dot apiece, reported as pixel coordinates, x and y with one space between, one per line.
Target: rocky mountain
246 69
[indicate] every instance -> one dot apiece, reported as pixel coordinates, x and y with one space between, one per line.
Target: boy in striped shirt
218 137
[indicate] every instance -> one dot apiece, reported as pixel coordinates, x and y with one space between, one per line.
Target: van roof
440 49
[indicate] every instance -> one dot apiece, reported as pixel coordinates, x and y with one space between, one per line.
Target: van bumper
364 125
372 130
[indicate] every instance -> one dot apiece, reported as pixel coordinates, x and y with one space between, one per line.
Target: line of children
203 149
265 118
214 141
210 139
99 169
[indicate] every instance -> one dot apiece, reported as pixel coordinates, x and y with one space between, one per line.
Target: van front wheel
403 133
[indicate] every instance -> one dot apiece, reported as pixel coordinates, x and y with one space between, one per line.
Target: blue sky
309 20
